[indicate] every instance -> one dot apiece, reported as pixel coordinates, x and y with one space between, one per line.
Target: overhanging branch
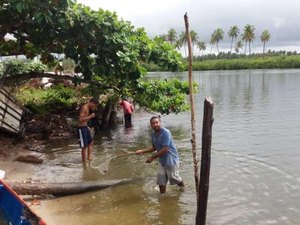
12 80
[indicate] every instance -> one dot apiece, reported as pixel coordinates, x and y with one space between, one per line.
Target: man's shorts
85 137
170 173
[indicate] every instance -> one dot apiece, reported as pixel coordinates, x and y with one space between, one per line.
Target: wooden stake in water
193 139
205 162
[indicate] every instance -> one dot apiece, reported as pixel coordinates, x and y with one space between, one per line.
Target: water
3 220
255 173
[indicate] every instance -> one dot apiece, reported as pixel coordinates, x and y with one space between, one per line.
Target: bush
17 66
46 101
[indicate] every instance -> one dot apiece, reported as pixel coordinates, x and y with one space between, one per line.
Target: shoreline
14 169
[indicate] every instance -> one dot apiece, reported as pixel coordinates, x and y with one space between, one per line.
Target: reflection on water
254 170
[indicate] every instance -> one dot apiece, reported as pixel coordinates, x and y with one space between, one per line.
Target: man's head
93 103
155 123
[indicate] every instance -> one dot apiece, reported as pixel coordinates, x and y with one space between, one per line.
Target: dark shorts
127 118
85 137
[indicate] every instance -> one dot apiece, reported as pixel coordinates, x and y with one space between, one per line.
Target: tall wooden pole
205 162
193 139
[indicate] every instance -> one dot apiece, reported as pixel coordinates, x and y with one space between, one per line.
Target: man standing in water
85 137
128 110
167 153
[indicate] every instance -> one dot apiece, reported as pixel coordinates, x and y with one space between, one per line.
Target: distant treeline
233 61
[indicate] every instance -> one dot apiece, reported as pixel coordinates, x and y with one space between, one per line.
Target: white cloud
281 18
278 22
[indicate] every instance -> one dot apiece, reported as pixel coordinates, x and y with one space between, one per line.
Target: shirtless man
85 137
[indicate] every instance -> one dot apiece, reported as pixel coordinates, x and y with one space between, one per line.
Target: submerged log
60 189
29 159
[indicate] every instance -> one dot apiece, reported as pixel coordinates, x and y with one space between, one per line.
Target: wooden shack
11 114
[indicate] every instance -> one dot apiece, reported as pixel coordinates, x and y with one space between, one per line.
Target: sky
280 18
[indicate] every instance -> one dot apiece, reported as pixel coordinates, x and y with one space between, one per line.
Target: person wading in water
84 134
163 144
128 110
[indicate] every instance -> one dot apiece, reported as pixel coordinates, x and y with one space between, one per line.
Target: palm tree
238 46
248 36
233 33
171 36
217 36
194 39
265 37
202 46
182 41
212 41
162 37
178 44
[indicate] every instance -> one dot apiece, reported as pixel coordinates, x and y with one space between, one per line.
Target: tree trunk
60 189
107 114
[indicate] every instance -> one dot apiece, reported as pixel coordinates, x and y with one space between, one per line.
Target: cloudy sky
280 18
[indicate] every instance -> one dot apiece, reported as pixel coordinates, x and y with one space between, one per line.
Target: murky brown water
254 170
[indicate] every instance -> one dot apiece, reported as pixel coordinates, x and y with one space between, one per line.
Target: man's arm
158 154
83 116
146 150
131 106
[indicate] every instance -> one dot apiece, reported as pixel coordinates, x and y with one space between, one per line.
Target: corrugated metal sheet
11 113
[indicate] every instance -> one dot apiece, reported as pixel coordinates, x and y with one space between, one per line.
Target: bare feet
181 184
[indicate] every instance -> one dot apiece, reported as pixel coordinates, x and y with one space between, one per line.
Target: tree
212 41
248 36
238 46
194 38
171 36
217 36
107 51
163 37
233 33
265 37
179 44
182 41
201 45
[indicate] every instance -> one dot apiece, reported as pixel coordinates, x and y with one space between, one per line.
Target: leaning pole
193 138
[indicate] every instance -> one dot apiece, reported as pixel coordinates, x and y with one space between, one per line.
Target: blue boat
14 210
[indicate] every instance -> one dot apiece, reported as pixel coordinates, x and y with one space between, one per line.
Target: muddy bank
19 157
10 151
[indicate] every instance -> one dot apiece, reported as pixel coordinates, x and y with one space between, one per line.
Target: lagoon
255 173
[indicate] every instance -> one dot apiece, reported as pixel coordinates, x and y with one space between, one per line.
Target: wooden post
193 139
205 162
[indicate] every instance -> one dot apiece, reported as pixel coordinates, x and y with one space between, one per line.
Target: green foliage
46 101
152 67
67 63
286 61
1 70
104 49
164 96
162 56
97 41
17 67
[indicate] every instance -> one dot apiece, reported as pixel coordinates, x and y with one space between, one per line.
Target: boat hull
14 209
